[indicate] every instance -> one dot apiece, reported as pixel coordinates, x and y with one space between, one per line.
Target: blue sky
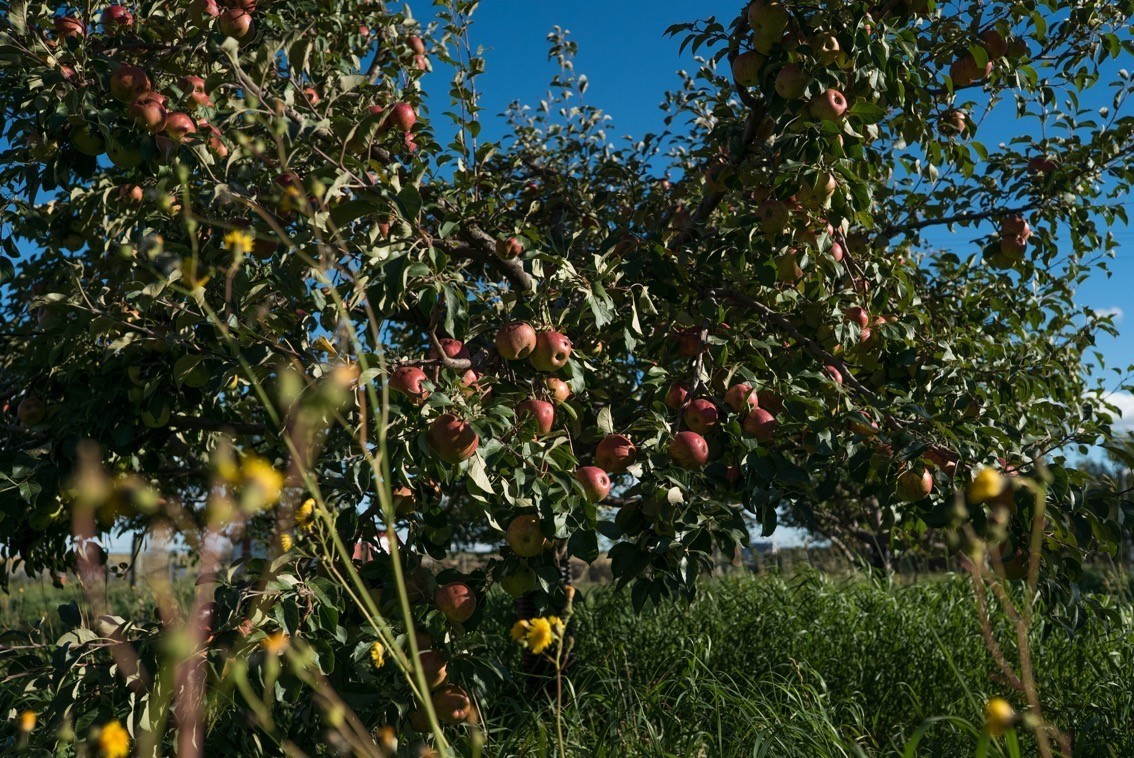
629 63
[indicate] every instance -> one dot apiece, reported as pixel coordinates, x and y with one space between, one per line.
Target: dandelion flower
113 741
987 484
540 635
378 654
305 515
520 630
263 478
276 642
286 542
998 716
238 242
27 721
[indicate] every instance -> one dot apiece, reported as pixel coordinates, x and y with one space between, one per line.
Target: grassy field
814 667
775 666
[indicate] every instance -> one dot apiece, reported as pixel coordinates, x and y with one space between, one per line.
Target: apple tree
257 283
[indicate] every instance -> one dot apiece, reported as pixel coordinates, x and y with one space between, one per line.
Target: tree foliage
213 282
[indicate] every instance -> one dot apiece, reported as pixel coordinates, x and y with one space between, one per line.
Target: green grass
815 667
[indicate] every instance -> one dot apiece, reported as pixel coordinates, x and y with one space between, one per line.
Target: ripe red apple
416 44
213 140
830 104
792 81
864 425
746 68
913 485
454 349
689 450
456 600
542 411
689 342
676 396
515 341
742 398
127 82
403 116
760 424
236 23
451 704
117 17
509 248
1041 164
557 388
965 71
452 438
525 536
179 125
595 482
195 94
433 666
1015 226
1011 251
774 216
768 20
701 416
818 190
858 315
552 351
825 48
148 111
199 10
994 44
954 122
311 95
834 373
31 411
615 453
69 26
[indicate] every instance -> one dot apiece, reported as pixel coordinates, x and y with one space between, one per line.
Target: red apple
542 411
432 663
452 438
416 44
456 600
403 116
148 111
834 373
615 453
760 424
770 401
201 9
689 341
31 411
515 341
701 416
127 82
179 125
742 398
410 381
792 81
451 704
954 122
595 482
194 89
830 104
965 71
235 23
913 485
1015 226
774 216
509 248
525 536
858 315
69 26
1041 164
557 388
117 17
994 44
311 95
454 349
552 351
676 396
689 450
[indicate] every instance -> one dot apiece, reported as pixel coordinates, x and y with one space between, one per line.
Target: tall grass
815 667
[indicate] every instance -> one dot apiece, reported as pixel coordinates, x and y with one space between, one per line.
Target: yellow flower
305 515
998 716
286 542
276 642
540 635
27 721
987 484
238 242
262 477
520 630
378 654
113 741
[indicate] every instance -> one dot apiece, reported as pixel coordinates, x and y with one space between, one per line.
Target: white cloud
1115 312
1125 403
